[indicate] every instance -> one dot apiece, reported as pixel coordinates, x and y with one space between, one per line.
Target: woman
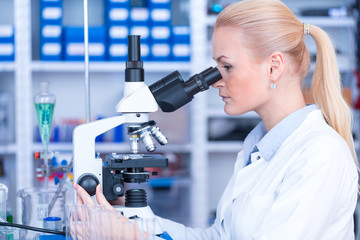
296 177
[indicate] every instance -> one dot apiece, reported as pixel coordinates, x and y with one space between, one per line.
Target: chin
231 111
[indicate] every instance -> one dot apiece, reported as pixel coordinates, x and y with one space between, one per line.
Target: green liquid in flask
44 113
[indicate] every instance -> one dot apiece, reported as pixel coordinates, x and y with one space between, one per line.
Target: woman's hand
102 221
84 198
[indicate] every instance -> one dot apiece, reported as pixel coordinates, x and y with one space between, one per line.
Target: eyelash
226 67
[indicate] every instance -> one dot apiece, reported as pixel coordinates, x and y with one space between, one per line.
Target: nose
218 84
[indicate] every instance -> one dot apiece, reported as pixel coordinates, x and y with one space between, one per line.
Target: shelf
101 67
224 146
111 147
7 66
329 21
166 182
7 148
318 21
345 63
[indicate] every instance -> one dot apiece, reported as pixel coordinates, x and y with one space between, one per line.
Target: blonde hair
268 26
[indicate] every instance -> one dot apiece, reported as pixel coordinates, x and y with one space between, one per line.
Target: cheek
244 87
247 92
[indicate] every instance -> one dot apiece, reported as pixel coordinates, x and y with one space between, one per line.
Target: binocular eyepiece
170 92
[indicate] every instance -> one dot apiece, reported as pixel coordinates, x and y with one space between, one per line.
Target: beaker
35 206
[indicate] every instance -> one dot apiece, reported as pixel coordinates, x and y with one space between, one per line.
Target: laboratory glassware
44 103
35 206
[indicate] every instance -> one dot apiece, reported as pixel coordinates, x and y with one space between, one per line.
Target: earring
273 85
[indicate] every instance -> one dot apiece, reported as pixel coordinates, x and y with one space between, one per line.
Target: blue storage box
118 16
51 3
118 51
139 16
141 30
181 52
181 34
7 52
160 52
6 33
161 34
119 134
51 15
51 33
74 43
145 51
51 51
160 4
118 33
160 16
118 3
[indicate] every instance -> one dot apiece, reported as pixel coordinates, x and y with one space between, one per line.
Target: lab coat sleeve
178 231
317 196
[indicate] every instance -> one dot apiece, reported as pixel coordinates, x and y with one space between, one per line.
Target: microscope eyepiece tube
134 71
134 48
171 92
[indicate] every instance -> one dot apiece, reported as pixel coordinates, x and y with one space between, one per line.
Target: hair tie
306 28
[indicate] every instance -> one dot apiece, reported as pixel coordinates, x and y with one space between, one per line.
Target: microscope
168 93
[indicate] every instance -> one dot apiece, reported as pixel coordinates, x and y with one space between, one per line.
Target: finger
100 198
79 200
86 198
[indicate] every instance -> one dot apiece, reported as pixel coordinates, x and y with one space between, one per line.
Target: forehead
225 36
227 41
230 42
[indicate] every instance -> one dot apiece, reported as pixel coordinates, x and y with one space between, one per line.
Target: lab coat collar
267 143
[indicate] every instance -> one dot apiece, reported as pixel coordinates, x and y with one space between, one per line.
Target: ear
276 65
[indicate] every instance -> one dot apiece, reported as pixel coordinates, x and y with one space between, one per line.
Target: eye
226 67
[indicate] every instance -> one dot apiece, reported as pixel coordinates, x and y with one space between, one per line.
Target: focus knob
89 182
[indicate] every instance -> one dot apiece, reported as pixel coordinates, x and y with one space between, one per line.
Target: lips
224 97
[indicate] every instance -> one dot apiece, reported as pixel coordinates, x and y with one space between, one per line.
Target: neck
284 101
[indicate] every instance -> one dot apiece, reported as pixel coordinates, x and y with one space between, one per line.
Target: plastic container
53 223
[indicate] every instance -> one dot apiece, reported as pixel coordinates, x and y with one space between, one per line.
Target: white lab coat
307 191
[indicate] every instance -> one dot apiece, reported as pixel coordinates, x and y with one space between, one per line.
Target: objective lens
145 137
158 135
134 143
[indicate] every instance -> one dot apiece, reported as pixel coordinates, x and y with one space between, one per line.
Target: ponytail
326 87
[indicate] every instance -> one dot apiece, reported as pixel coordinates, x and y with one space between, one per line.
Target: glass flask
44 103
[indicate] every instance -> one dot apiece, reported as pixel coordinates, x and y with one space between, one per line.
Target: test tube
3 193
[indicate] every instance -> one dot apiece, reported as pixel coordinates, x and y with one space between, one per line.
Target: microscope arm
85 160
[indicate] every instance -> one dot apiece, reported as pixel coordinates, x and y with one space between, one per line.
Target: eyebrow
219 58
